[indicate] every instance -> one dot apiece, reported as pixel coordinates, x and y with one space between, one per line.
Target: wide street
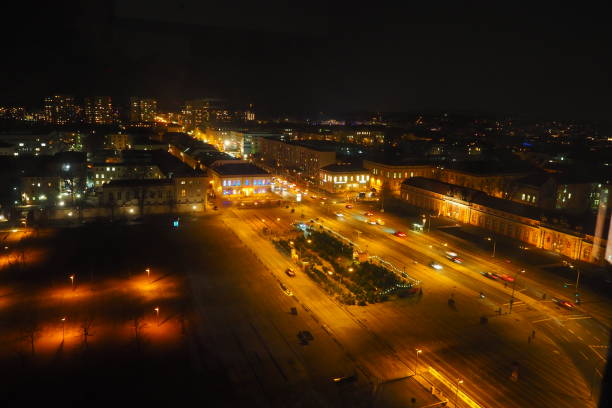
213 311
558 366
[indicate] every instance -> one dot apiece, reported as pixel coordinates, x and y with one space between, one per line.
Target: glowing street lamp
63 327
494 242
72 281
148 271
459 381
416 361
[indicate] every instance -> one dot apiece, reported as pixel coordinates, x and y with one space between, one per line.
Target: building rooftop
484 168
344 168
318 145
210 157
236 169
138 183
173 167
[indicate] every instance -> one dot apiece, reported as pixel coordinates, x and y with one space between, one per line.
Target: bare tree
31 330
86 327
138 325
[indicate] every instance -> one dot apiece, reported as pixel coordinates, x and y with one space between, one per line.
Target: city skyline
533 62
306 205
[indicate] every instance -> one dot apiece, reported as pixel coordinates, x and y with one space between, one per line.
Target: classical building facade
504 217
342 177
389 175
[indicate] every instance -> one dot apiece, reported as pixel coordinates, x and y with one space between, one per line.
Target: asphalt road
556 368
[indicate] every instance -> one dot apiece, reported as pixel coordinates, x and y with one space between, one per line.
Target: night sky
550 61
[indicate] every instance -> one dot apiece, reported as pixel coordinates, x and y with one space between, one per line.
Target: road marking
584 355
542 320
564 338
580 338
596 338
462 395
579 318
598 372
571 331
594 349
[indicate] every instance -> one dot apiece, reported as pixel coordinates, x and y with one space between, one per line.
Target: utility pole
513 288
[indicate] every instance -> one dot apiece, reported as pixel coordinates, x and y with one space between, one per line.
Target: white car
339 214
436 266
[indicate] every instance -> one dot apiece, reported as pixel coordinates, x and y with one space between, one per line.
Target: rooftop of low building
239 169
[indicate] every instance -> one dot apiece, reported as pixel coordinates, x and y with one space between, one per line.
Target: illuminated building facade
201 112
238 179
60 109
142 110
503 217
344 177
306 156
98 110
389 175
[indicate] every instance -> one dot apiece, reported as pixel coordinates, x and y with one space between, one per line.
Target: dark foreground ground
130 358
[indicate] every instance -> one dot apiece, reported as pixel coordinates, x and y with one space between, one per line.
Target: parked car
344 379
400 234
290 273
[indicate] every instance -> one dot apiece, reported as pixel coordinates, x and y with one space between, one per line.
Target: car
380 222
506 278
489 275
400 234
349 206
564 303
290 273
339 214
286 289
435 265
453 257
305 334
368 213
344 379
215 208
370 221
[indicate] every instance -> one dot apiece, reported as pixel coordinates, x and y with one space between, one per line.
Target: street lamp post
63 327
494 242
513 288
148 271
157 313
72 281
459 381
416 361
577 282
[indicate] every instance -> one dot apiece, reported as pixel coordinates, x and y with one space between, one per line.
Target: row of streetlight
73 277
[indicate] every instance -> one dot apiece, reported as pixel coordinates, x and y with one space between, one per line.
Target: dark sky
508 57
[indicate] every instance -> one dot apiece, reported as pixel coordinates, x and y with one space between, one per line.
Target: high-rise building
142 109
59 109
99 110
199 112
